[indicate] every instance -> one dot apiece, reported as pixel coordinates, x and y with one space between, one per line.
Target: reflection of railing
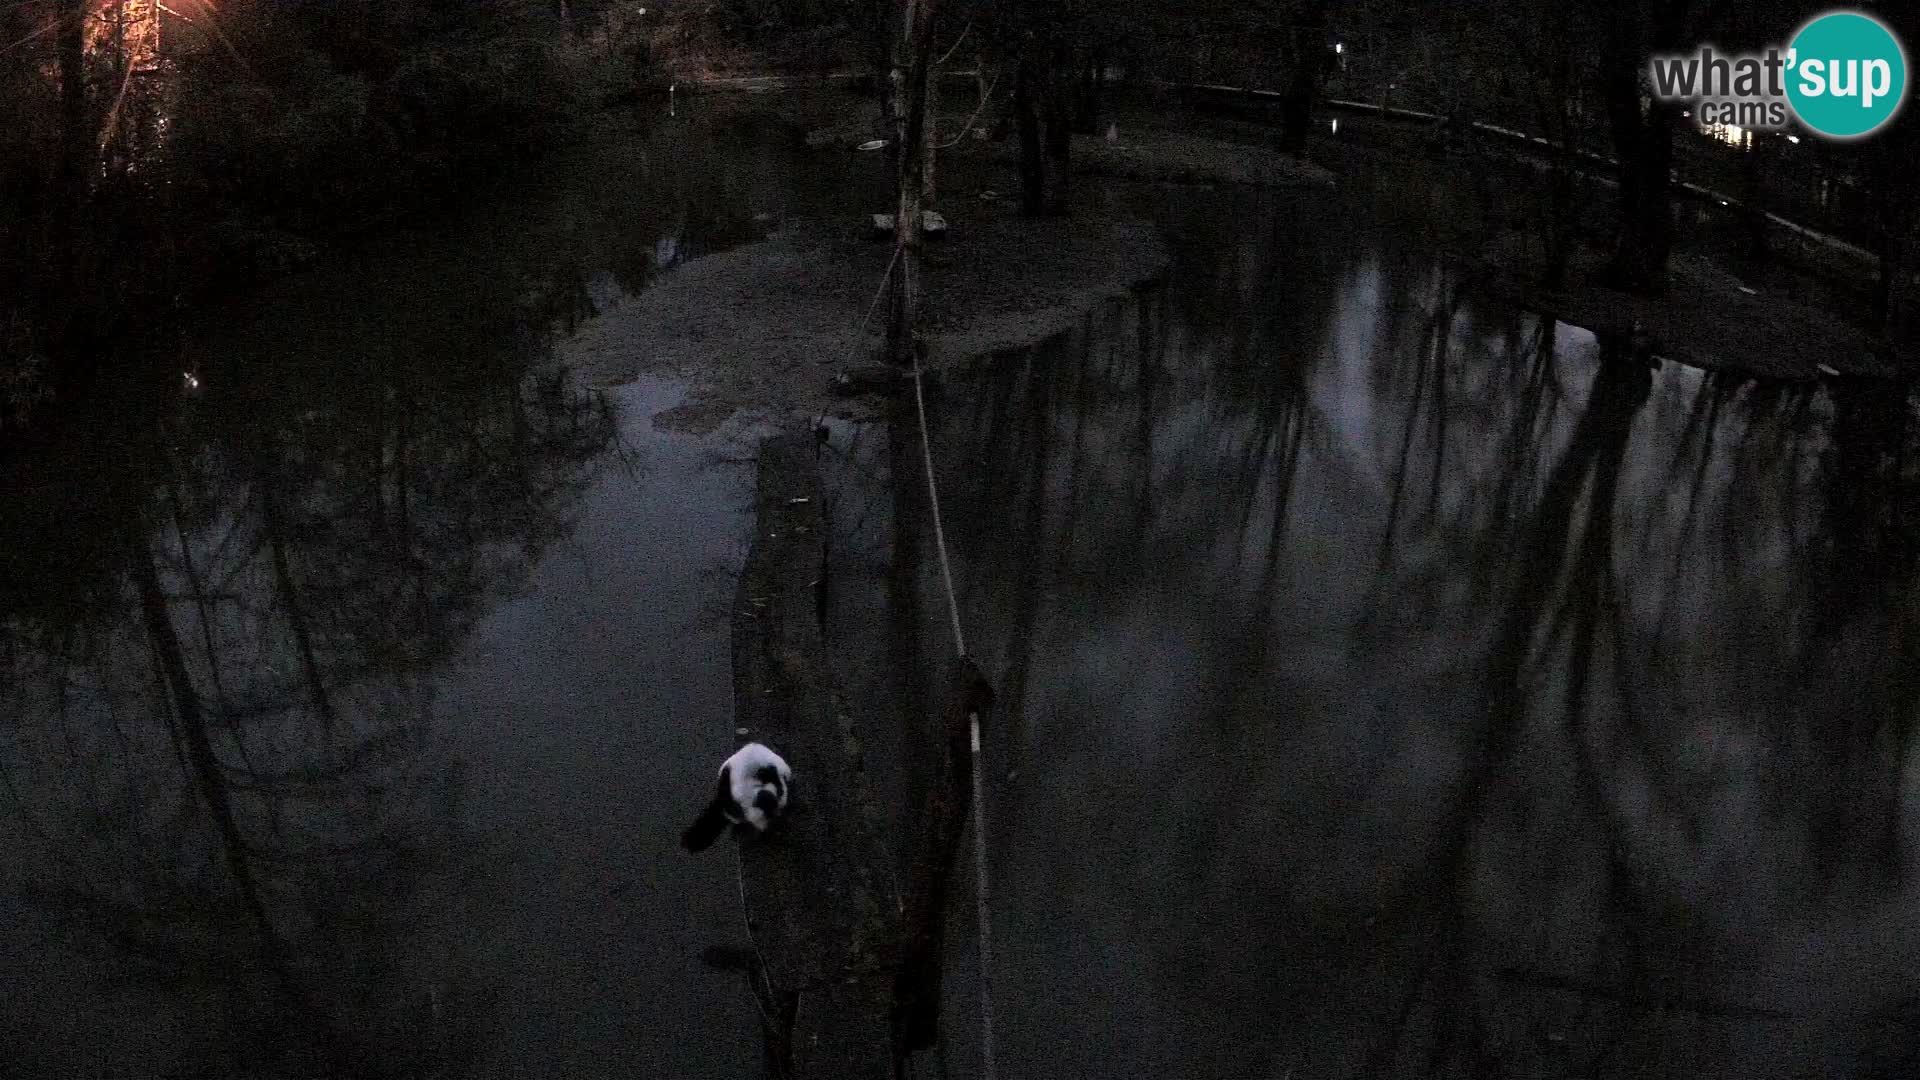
1538 143
1460 70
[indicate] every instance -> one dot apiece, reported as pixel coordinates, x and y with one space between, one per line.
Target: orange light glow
130 27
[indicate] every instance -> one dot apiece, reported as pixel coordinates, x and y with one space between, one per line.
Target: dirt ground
764 328
1786 317
767 326
1709 318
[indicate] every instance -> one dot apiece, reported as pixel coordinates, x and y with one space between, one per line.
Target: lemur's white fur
752 791
746 776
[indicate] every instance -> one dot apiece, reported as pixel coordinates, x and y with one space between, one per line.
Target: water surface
1392 684
1395 684
358 686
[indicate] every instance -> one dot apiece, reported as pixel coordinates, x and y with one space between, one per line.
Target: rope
980 896
982 908
973 718
886 279
939 533
985 96
942 62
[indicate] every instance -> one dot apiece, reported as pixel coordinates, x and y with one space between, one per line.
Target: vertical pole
950 800
913 156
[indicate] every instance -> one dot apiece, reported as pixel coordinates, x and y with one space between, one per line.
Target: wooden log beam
820 903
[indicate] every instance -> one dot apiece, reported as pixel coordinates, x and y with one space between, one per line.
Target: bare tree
1896 307
75 135
912 71
1643 128
1309 45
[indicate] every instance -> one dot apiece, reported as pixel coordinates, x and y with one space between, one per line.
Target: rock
932 224
876 378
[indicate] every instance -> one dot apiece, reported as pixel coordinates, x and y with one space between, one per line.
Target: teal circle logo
1847 74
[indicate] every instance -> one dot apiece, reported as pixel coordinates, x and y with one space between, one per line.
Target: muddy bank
1136 146
1490 212
1164 155
765 327
1709 318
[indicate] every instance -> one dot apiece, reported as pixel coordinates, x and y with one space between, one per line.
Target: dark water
1395 685
354 699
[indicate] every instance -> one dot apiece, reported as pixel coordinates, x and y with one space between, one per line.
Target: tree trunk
928 187
1643 139
1646 202
1043 103
914 154
74 136
1087 97
884 31
1561 133
1026 114
1643 143
1057 114
895 101
1754 164
1309 41
1897 302
1893 181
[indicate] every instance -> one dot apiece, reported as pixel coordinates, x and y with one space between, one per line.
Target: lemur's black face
767 802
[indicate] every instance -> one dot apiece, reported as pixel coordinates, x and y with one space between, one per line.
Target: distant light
1339 47
1336 126
1794 139
1731 134
1724 202
192 380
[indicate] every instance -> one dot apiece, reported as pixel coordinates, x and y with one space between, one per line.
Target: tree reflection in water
221 728
1397 685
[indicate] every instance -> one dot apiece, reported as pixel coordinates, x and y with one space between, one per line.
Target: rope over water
973 718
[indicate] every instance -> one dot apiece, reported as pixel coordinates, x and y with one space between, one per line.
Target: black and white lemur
751 792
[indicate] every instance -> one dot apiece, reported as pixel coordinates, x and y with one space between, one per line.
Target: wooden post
917 988
930 142
913 157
